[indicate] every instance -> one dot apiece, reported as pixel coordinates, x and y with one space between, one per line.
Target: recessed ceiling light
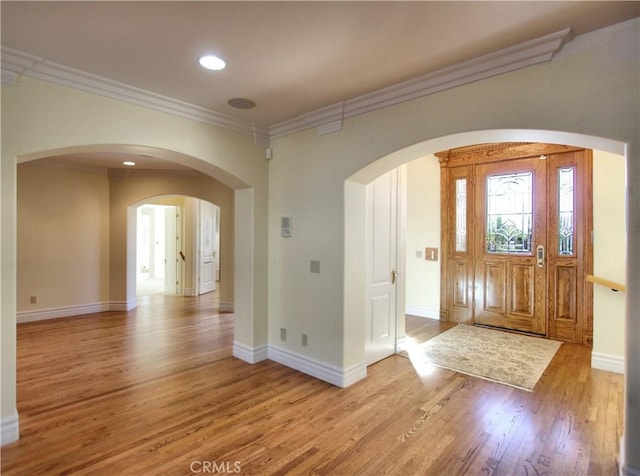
212 62
241 103
128 163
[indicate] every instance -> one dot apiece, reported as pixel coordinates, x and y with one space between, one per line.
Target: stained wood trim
484 153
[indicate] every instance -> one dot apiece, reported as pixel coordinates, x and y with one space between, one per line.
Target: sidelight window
461 215
566 219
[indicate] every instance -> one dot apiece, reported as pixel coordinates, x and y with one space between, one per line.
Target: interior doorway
177 246
157 248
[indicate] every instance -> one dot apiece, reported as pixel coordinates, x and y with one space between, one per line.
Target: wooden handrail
606 283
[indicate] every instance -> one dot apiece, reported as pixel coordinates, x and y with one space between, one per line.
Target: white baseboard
123 305
321 370
423 312
63 311
401 343
329 373
251 355
226 307
612 363
77 310
9 429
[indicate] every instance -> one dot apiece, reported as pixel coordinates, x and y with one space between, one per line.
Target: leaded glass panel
461 214
510 213
566 179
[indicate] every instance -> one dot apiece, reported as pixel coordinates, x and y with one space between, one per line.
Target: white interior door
208 255
382 259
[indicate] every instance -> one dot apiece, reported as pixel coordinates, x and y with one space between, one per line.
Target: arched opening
178 248
108 193
355 288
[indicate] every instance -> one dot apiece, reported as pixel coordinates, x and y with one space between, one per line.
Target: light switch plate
431 254
315 266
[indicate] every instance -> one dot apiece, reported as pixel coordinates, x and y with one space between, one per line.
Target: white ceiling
288 57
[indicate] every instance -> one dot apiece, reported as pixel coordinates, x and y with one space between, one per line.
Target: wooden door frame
452 162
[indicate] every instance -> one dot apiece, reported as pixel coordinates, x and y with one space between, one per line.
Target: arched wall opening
178 246
118 189
45 119
355 211
127 191
355 237
242 218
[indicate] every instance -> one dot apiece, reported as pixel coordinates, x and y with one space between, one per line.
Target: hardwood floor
156 391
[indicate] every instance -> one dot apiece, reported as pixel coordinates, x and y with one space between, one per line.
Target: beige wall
609 257
63 238
423 230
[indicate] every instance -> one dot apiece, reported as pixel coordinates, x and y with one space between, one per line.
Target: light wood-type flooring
156 391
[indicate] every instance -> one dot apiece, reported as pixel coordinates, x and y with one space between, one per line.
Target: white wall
423 230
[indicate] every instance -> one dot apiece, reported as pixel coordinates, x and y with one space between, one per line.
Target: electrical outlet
283 333
304 340
33 299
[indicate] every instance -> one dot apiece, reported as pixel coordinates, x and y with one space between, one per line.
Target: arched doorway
355 203
121 291
355 237
178 245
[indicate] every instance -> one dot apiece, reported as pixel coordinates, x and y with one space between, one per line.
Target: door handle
540 256
394 275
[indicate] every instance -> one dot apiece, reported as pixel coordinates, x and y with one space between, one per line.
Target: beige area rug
504 357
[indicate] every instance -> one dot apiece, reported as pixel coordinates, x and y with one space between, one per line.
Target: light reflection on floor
419 360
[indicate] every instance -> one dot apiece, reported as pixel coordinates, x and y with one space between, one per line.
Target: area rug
504 357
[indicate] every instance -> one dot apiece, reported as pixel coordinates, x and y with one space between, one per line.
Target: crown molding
17 63
326 120
536 51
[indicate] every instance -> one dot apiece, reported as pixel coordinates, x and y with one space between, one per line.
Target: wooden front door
511 231
516 238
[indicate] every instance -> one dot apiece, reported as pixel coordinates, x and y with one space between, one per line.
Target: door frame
461 162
